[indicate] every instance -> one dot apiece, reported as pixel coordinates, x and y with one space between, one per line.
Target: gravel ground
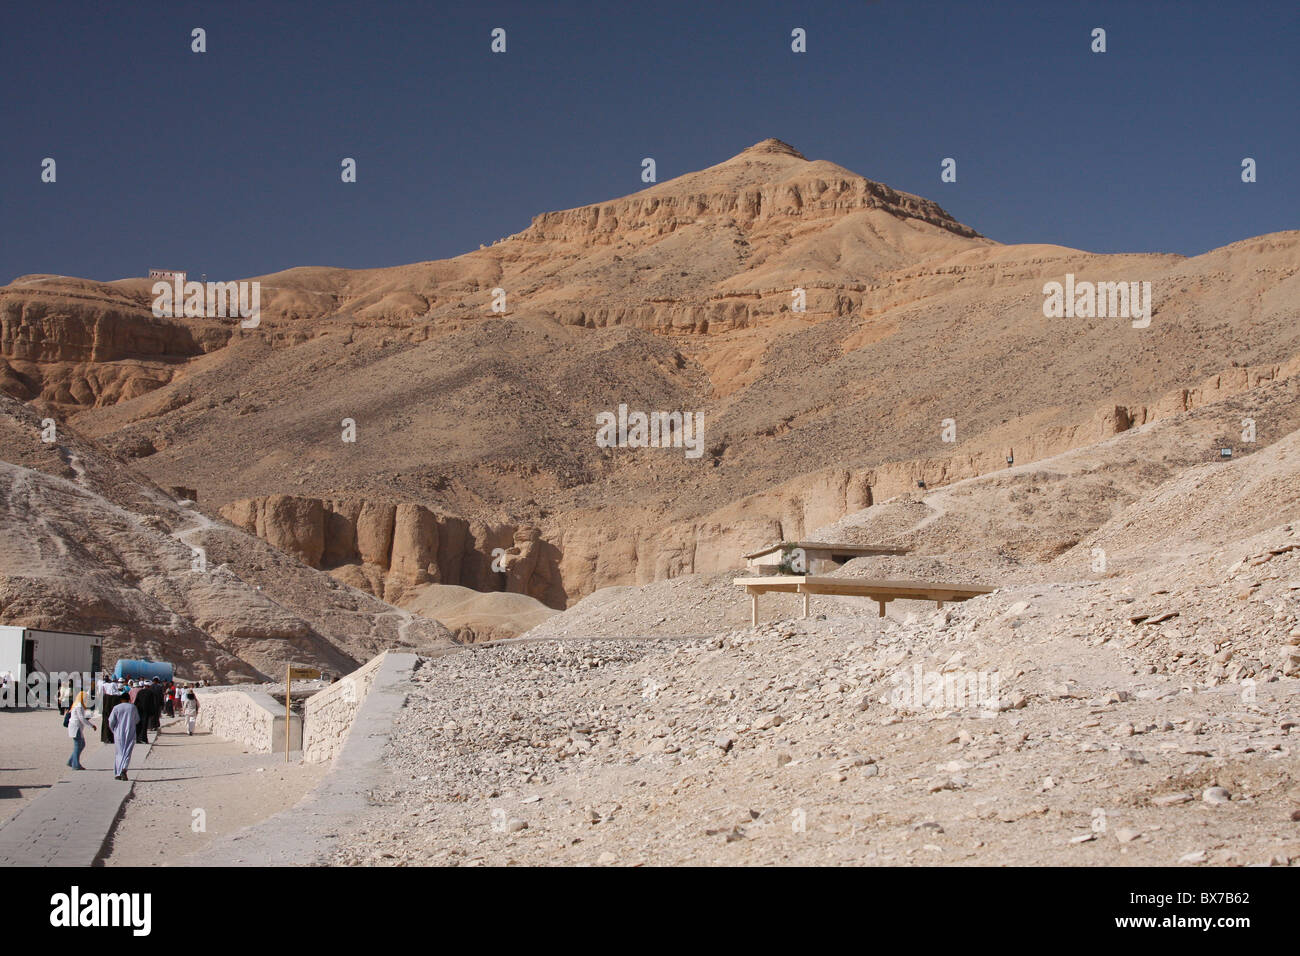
1067 733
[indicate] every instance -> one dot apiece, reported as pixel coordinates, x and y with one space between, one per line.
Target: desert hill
475 430
477 616
1163 517
91 545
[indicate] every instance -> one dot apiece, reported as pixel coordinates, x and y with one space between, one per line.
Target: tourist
155 715
142 700
169 700
190 708
65 696
124 720
112 692
77 723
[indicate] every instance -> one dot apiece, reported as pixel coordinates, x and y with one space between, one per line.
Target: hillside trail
202 523
407 618
26 478
20 500
75 463
937 511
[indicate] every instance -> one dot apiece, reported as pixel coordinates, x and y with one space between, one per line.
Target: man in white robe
123 720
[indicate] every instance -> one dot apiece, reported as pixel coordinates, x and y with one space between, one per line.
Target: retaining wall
329 713
251 717
308 833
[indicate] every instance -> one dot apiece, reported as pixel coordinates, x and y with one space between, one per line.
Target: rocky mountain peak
771 145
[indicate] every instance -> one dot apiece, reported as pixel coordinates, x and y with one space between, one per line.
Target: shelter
819 557
880 591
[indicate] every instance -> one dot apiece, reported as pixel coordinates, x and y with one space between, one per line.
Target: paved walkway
70 823
193 790
34 755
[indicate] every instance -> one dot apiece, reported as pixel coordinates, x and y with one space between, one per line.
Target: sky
228 162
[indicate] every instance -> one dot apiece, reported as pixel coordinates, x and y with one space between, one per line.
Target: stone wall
329 713
250 717
308 833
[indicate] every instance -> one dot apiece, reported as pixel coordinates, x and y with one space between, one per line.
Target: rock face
390 549
72 342
294 525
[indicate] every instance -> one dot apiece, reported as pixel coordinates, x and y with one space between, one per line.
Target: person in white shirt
77 723
190 708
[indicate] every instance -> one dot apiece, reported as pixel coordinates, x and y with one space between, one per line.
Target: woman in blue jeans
77 723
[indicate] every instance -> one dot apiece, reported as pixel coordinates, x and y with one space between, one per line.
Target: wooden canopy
881 591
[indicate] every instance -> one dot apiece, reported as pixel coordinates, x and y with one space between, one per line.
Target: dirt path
192 789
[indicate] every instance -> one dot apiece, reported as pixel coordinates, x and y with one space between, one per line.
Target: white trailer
55 655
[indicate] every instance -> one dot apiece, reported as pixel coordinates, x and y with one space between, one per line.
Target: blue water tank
142 670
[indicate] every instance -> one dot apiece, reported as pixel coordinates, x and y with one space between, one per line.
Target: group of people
132 709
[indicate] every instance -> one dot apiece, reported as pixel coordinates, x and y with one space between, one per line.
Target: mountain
475 431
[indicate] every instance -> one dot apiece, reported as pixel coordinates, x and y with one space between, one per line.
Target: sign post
290 672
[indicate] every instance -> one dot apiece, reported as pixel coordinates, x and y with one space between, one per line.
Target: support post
805 603
753 608
882 607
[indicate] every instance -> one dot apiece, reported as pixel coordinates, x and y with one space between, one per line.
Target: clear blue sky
227 162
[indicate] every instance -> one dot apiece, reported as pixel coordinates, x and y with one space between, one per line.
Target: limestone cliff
390 549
